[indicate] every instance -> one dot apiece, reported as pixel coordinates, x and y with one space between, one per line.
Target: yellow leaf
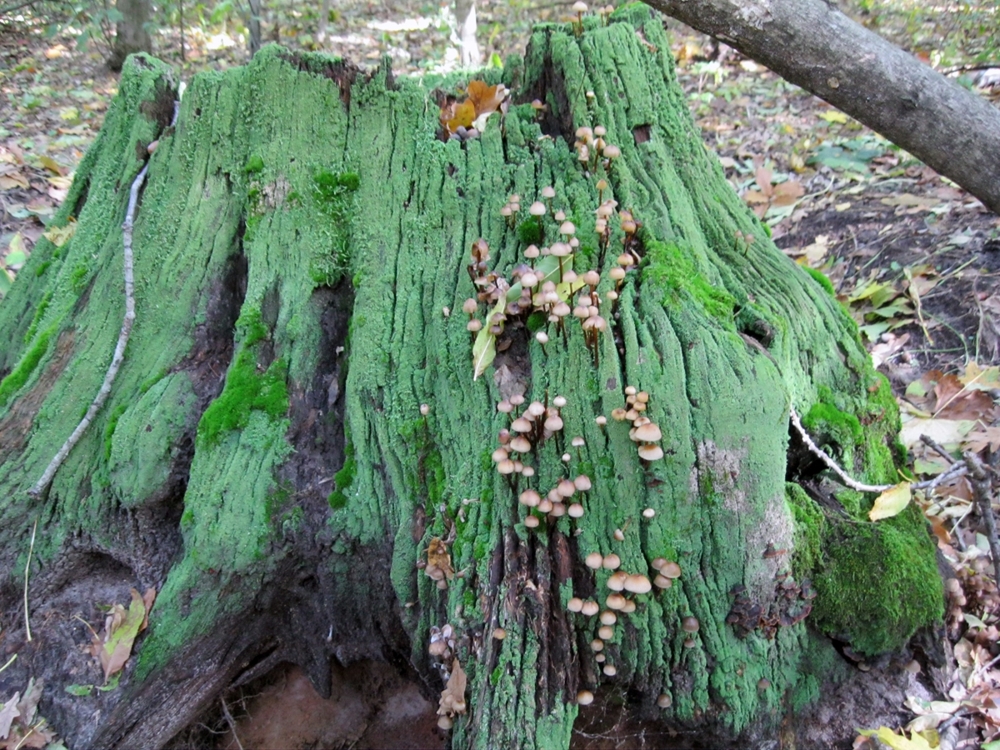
899 742
891 502
59 236
484 350
834 117
51 164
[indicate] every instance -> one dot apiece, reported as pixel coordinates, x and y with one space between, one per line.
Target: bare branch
853 484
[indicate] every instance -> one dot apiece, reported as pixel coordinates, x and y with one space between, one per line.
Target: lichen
672 271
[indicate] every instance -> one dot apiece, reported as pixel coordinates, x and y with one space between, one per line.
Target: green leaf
484 350
111 684
79 690
118 646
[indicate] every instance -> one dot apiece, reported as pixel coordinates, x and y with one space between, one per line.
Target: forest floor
914 258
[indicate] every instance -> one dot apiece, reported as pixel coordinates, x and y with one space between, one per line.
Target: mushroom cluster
644 431
591 148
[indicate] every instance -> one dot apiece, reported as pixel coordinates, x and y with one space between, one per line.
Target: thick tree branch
813 45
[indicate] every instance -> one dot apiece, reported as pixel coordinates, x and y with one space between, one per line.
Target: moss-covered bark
264 463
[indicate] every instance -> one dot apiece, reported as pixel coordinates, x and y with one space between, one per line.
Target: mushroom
611 562
584 698
594 560
690 624
638 584
530 498
616 601
575 604
575 510
670 569
606 632
608 617
609 670
617 581
649 452
590 608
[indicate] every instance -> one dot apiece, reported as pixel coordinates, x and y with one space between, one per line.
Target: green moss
109 428
78 277
343 479
331 186
254 164
29 361
246 390
251 325
820 278
433 476
40 271
530 231
810 526
879 582
826 422
672 271
39 313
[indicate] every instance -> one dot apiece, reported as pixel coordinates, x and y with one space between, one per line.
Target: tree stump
265 463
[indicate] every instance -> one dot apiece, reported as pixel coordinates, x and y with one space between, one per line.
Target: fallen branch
819 452
982 487
123 335
116 360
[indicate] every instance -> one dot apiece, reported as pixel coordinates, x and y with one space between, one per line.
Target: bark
131 35
263 462
253 26
813 45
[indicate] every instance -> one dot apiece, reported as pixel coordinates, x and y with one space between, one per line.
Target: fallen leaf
28 704
120 630
484 350
8 712
898 742
891 502
59 236
948 432
439 558
982 437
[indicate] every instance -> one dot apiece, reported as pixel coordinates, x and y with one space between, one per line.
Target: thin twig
230 722
27 566
852 483
9 662
123 336
979 478
116 360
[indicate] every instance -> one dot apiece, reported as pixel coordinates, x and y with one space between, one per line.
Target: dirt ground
914 258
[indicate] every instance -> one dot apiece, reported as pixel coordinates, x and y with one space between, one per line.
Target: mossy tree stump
262 460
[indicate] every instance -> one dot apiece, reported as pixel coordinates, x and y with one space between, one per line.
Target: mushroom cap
670 569
601 420
474 326
648 513
529 279
646 433
536 408
548 192
579 7
690 624
521 425
565 488
629 606
542 337
500 455
582 483
517 399
600 131
612 151
521 444
649 452
610 670
530 498
638 584
664 701
662 582
584 698
606 632
594 560
499 633
616 601
611 562
567 228
531 251
559 401
545 505
531 522
558 510
608 617
537 209
560 249
597 645
554 423
617 581
575 604
590 608
506 466
575 510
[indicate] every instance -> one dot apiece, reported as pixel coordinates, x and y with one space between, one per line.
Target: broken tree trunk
813 45
263 460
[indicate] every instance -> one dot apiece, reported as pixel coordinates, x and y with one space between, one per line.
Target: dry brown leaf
8 712
439 560
114 646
